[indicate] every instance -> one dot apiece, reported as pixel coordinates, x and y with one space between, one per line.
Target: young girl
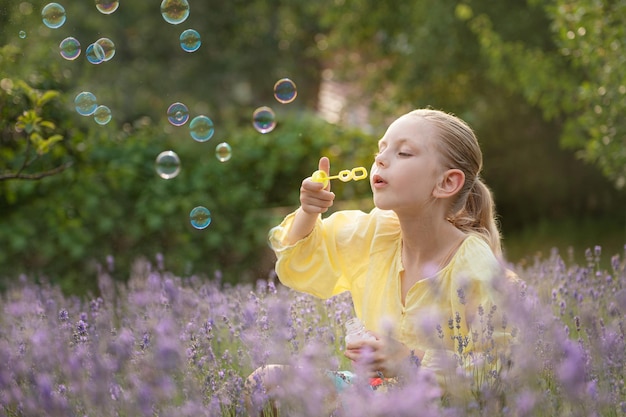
427 253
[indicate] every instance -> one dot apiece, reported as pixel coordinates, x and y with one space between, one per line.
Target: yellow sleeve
326 262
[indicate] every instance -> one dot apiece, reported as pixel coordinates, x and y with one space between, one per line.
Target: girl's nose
379 160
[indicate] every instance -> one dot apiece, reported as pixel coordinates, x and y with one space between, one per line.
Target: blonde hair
473 211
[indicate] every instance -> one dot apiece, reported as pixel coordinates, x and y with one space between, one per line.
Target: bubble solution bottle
355 331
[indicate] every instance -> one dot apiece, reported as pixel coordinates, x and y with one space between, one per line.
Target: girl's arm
314 200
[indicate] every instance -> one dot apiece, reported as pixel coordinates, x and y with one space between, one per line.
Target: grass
570 237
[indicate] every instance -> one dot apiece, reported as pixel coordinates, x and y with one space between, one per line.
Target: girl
426 254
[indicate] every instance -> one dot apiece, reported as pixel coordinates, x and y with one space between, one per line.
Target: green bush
112 202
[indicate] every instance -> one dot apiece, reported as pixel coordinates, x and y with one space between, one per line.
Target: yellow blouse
361 253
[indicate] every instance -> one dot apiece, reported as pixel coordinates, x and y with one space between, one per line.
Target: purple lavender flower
571 370
110 263
172 346
160 260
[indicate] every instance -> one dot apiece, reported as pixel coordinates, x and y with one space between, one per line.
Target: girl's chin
380 204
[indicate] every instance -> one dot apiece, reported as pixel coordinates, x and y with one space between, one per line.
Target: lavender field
163 345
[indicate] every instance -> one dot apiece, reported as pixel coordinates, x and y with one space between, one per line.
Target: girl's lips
378 181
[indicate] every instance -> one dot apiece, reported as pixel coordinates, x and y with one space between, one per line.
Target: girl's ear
451 183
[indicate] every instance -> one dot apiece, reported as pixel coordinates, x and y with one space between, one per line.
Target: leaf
54 139
43 145
36 139
48 124
46 97
29 121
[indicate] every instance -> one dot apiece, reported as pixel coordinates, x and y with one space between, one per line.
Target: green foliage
576 78
112 202
34 142
504 67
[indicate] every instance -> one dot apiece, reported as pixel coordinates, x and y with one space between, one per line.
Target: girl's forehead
409 127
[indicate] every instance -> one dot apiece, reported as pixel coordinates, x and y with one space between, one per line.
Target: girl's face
407 167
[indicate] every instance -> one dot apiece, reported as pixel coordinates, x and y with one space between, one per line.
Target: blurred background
541 82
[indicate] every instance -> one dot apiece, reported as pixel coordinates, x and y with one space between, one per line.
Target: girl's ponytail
478 216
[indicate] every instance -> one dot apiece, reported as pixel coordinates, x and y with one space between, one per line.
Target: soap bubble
70 48
102 115
107 6
175 11
177 114
200 217
201 128
108 48
264 119
95 53
53 15
190 40
223 152
22 34
285 90
167 165
86 103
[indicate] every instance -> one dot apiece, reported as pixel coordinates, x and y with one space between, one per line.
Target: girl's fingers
324 165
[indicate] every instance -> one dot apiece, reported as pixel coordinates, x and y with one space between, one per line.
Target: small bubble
70 48
167 165
175 11
95 54
22 34
223 152
107 6
108 48
285 90
86 103
177 114
264 119
102 115
200 217
190 40
201 128
53 15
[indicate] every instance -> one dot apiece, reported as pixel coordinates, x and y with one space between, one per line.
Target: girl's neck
428 240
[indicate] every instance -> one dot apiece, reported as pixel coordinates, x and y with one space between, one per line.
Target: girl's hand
384 355
314 198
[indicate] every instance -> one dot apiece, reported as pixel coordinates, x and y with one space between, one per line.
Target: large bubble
95 53
190 40
102 115
201 128
70 48
177 114
86 103
175 11
264 119
285 90
223 152
167 165
53 15
200 217
108 48
107 6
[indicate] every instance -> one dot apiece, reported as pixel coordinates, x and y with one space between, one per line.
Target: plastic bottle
355 331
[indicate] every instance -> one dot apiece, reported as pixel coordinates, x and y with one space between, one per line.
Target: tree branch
39 175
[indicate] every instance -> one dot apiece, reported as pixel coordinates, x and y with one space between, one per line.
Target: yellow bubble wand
354 174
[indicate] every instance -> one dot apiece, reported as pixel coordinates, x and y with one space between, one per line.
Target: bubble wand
356 174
